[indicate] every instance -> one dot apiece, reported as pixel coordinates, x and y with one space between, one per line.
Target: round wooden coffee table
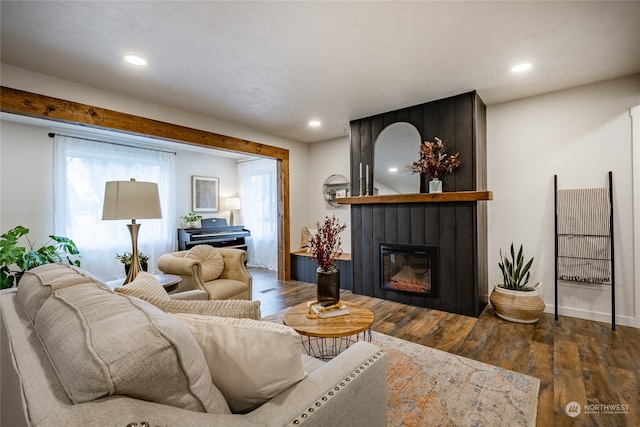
326 338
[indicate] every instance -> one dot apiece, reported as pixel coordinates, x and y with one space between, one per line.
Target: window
81 169
258 193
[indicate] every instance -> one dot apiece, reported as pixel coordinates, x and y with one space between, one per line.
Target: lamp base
135 267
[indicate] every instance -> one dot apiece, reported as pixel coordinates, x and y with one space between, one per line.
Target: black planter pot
17 277
128 266
328 290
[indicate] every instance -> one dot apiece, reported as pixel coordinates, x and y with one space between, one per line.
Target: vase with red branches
434 162
325 246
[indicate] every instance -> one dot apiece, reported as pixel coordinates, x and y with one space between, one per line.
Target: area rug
429 387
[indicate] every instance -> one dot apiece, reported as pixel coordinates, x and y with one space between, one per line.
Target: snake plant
515 273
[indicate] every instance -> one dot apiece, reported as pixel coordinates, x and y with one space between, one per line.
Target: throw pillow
144 285
250 361
210 259
103 344
39 283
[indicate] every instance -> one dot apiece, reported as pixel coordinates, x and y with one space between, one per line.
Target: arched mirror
396 147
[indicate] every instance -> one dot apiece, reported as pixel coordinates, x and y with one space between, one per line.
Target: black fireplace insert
409 268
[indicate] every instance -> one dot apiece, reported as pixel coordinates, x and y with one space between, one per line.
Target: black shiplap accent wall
458 229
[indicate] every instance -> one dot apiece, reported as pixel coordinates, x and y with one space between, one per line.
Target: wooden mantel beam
449 196
30 104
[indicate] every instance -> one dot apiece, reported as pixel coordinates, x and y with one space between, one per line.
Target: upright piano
214 232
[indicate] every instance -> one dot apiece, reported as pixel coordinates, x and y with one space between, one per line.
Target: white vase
435 186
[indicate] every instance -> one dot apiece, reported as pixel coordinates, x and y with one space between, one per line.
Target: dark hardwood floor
575 360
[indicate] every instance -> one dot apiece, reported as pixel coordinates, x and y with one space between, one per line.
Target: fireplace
409 268
454 222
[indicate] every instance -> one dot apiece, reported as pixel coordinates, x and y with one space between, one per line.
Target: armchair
209 273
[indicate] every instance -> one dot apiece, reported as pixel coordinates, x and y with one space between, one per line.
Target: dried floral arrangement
434 161
325 244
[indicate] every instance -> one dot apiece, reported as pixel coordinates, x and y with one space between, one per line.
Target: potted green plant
434 162
513 299
127 257
25 257
325 247
191 219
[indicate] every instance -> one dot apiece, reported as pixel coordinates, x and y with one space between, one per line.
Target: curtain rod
52 134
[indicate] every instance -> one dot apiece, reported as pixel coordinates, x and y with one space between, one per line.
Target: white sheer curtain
81 169
259 198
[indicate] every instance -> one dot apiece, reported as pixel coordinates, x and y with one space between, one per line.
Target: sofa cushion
238 309
144 285
210 259
250 361
37 284
103 344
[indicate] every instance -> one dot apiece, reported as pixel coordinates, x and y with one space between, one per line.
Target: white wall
579 134
298 152
26 171
191 163
328 158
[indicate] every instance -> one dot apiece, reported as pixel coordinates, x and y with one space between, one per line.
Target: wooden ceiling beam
34 105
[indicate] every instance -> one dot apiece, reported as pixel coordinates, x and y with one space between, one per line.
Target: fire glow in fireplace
409 268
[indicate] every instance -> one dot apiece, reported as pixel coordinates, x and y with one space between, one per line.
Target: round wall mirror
397 147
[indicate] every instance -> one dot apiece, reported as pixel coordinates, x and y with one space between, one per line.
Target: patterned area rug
429 387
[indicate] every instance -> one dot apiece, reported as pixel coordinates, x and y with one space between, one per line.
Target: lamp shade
233 203
131 200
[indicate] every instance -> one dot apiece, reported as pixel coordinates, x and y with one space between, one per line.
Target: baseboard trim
591 315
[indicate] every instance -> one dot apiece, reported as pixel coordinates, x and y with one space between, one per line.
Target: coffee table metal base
328 348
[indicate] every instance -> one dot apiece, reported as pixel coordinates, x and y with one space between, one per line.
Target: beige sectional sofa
74 352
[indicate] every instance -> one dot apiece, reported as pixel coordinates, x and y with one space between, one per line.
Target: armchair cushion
193 294
144 285
250 361
210 259
227 289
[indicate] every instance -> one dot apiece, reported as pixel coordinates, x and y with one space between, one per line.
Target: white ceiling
272 66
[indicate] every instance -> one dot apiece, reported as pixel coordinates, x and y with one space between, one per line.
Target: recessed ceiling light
392 170
135 60
314 123
521 67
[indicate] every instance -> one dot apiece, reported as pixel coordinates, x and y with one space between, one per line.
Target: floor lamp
131 200
232 205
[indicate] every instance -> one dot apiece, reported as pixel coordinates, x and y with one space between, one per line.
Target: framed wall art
205 193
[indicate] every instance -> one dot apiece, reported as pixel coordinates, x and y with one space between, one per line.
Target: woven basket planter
517 306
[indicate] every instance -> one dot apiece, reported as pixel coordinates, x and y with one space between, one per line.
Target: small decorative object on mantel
325 247
513 300
434 162
361 182
191 219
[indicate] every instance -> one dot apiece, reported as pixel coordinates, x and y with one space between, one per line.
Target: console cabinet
303 268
